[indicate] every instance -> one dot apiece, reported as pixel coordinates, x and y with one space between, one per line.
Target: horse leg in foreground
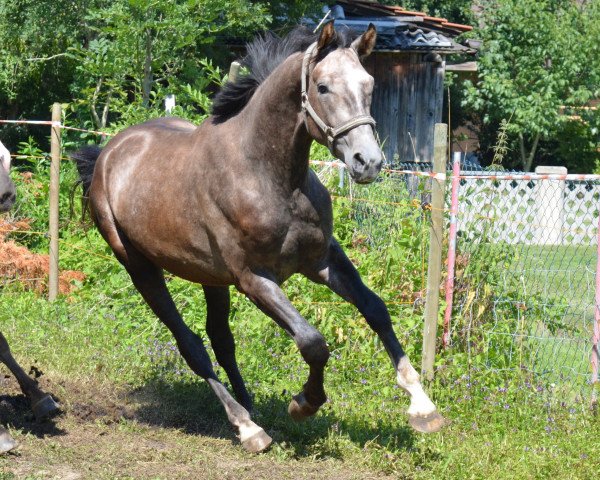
42 404
149 281
339 274
267 295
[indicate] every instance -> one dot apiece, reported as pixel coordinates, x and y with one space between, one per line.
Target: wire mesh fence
524 298
525 276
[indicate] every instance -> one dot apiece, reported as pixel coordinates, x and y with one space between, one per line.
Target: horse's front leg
267 296
42 403
339 274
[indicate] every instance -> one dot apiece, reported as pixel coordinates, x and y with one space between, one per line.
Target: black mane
264 54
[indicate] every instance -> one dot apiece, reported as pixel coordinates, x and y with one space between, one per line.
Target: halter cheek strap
330 132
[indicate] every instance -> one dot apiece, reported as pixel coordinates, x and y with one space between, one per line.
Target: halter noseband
330 132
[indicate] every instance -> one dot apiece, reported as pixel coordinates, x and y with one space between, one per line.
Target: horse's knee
313 348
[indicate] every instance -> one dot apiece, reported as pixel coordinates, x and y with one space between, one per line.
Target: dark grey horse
42 404
234 202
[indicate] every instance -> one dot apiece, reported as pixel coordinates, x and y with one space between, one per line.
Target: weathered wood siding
407 103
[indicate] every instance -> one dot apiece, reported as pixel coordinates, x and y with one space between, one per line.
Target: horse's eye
322 88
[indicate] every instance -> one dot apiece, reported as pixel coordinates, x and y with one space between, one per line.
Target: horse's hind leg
150 282
42 404
221 339
339 274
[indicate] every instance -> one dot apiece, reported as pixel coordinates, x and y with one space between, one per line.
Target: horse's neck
275 134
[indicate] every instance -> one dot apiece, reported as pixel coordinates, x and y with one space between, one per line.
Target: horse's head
336 97
7 187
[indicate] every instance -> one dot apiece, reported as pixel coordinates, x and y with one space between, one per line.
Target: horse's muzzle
365 166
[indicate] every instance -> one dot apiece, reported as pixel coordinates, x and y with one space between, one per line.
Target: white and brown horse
42 404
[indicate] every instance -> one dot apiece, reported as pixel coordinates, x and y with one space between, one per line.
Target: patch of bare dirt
100 435
19 264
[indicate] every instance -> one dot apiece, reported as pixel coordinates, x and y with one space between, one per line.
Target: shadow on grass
16 412
192 407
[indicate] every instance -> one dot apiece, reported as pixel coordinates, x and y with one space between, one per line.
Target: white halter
331 132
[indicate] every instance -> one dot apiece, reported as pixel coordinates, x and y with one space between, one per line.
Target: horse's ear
327 35
364 44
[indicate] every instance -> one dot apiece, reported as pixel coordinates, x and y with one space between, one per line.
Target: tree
35 69
538 67
138 47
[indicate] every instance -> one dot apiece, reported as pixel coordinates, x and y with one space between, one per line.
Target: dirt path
107 432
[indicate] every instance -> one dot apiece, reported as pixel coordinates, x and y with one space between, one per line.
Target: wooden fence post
434 270
54 200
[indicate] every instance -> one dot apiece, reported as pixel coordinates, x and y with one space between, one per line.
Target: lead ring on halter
330 132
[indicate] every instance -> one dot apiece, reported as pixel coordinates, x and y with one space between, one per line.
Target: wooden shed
409 64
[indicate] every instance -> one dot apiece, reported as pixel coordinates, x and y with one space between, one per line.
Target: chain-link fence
525 275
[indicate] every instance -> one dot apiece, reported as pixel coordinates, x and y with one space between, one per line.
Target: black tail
85 158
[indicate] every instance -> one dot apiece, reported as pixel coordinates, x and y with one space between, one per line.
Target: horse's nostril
7 197
359 158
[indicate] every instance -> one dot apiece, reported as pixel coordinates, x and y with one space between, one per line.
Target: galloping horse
42 404
234 202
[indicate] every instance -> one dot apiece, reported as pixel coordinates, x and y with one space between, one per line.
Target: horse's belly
183 251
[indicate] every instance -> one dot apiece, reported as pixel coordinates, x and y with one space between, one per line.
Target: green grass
500 432
503 426
563 271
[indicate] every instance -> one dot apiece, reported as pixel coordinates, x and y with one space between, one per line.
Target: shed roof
399 29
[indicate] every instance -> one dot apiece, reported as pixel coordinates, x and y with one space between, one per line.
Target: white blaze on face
350 86
408 380
4 157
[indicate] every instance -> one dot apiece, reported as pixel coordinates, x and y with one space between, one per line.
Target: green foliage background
111 63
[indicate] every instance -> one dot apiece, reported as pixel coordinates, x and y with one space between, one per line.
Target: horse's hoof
7 443
258 442
430 423
300 409
45 408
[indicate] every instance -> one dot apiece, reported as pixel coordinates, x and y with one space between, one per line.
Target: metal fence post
434 269
54 200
